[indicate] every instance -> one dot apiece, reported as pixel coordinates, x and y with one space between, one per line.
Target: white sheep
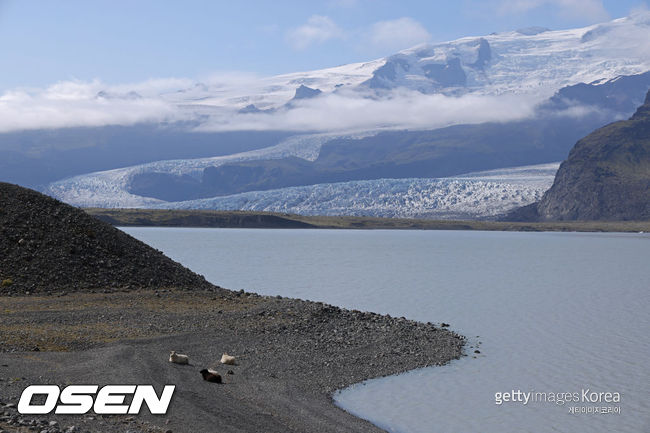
227 359
177 358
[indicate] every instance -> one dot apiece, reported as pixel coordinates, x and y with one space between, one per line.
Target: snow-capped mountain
521 61
534 60
498 78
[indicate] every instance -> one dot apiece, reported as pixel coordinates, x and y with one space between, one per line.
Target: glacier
479 195
535 62
109 188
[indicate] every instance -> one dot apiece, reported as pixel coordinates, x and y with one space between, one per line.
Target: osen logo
79 399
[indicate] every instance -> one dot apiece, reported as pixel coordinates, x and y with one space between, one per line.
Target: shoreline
246 219
84 303
293 355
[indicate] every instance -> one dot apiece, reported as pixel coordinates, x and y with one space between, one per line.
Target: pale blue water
555 312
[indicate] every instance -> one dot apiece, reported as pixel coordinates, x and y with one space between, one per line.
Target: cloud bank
69 104
351 111
91 104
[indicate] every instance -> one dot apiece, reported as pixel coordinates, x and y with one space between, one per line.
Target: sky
123 41
70 63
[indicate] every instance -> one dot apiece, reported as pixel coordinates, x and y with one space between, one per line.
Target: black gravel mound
47 245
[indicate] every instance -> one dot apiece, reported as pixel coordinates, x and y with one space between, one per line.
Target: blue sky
116 41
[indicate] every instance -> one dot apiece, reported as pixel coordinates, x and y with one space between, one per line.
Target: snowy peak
430 68
531 31
304 92
131 95
532 60
521 61
620 29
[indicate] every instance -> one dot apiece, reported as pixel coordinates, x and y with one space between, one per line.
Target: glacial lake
554 313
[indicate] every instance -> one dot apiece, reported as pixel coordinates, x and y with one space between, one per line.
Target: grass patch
239 219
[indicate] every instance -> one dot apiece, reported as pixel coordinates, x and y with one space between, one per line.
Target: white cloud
593 10
318 29
397 34
76 103
345 112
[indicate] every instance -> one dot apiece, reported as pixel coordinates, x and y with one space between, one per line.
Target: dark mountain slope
394 154
547 137
47 245
38 157
619 95
606 177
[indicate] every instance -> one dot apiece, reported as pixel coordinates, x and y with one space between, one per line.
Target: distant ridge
606 176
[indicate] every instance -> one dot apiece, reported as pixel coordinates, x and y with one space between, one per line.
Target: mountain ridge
474 109
605 177
436 153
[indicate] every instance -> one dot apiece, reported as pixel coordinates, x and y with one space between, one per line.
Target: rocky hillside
46 245
606 176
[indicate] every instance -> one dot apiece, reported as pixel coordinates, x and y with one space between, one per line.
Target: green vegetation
6 282
241 219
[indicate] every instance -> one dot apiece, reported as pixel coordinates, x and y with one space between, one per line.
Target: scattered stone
75 251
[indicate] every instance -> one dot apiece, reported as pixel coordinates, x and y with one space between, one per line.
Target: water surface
553 312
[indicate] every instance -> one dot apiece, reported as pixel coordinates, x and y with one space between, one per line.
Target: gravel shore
84 303
292 355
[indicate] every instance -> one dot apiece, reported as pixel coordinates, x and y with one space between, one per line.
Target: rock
605 176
